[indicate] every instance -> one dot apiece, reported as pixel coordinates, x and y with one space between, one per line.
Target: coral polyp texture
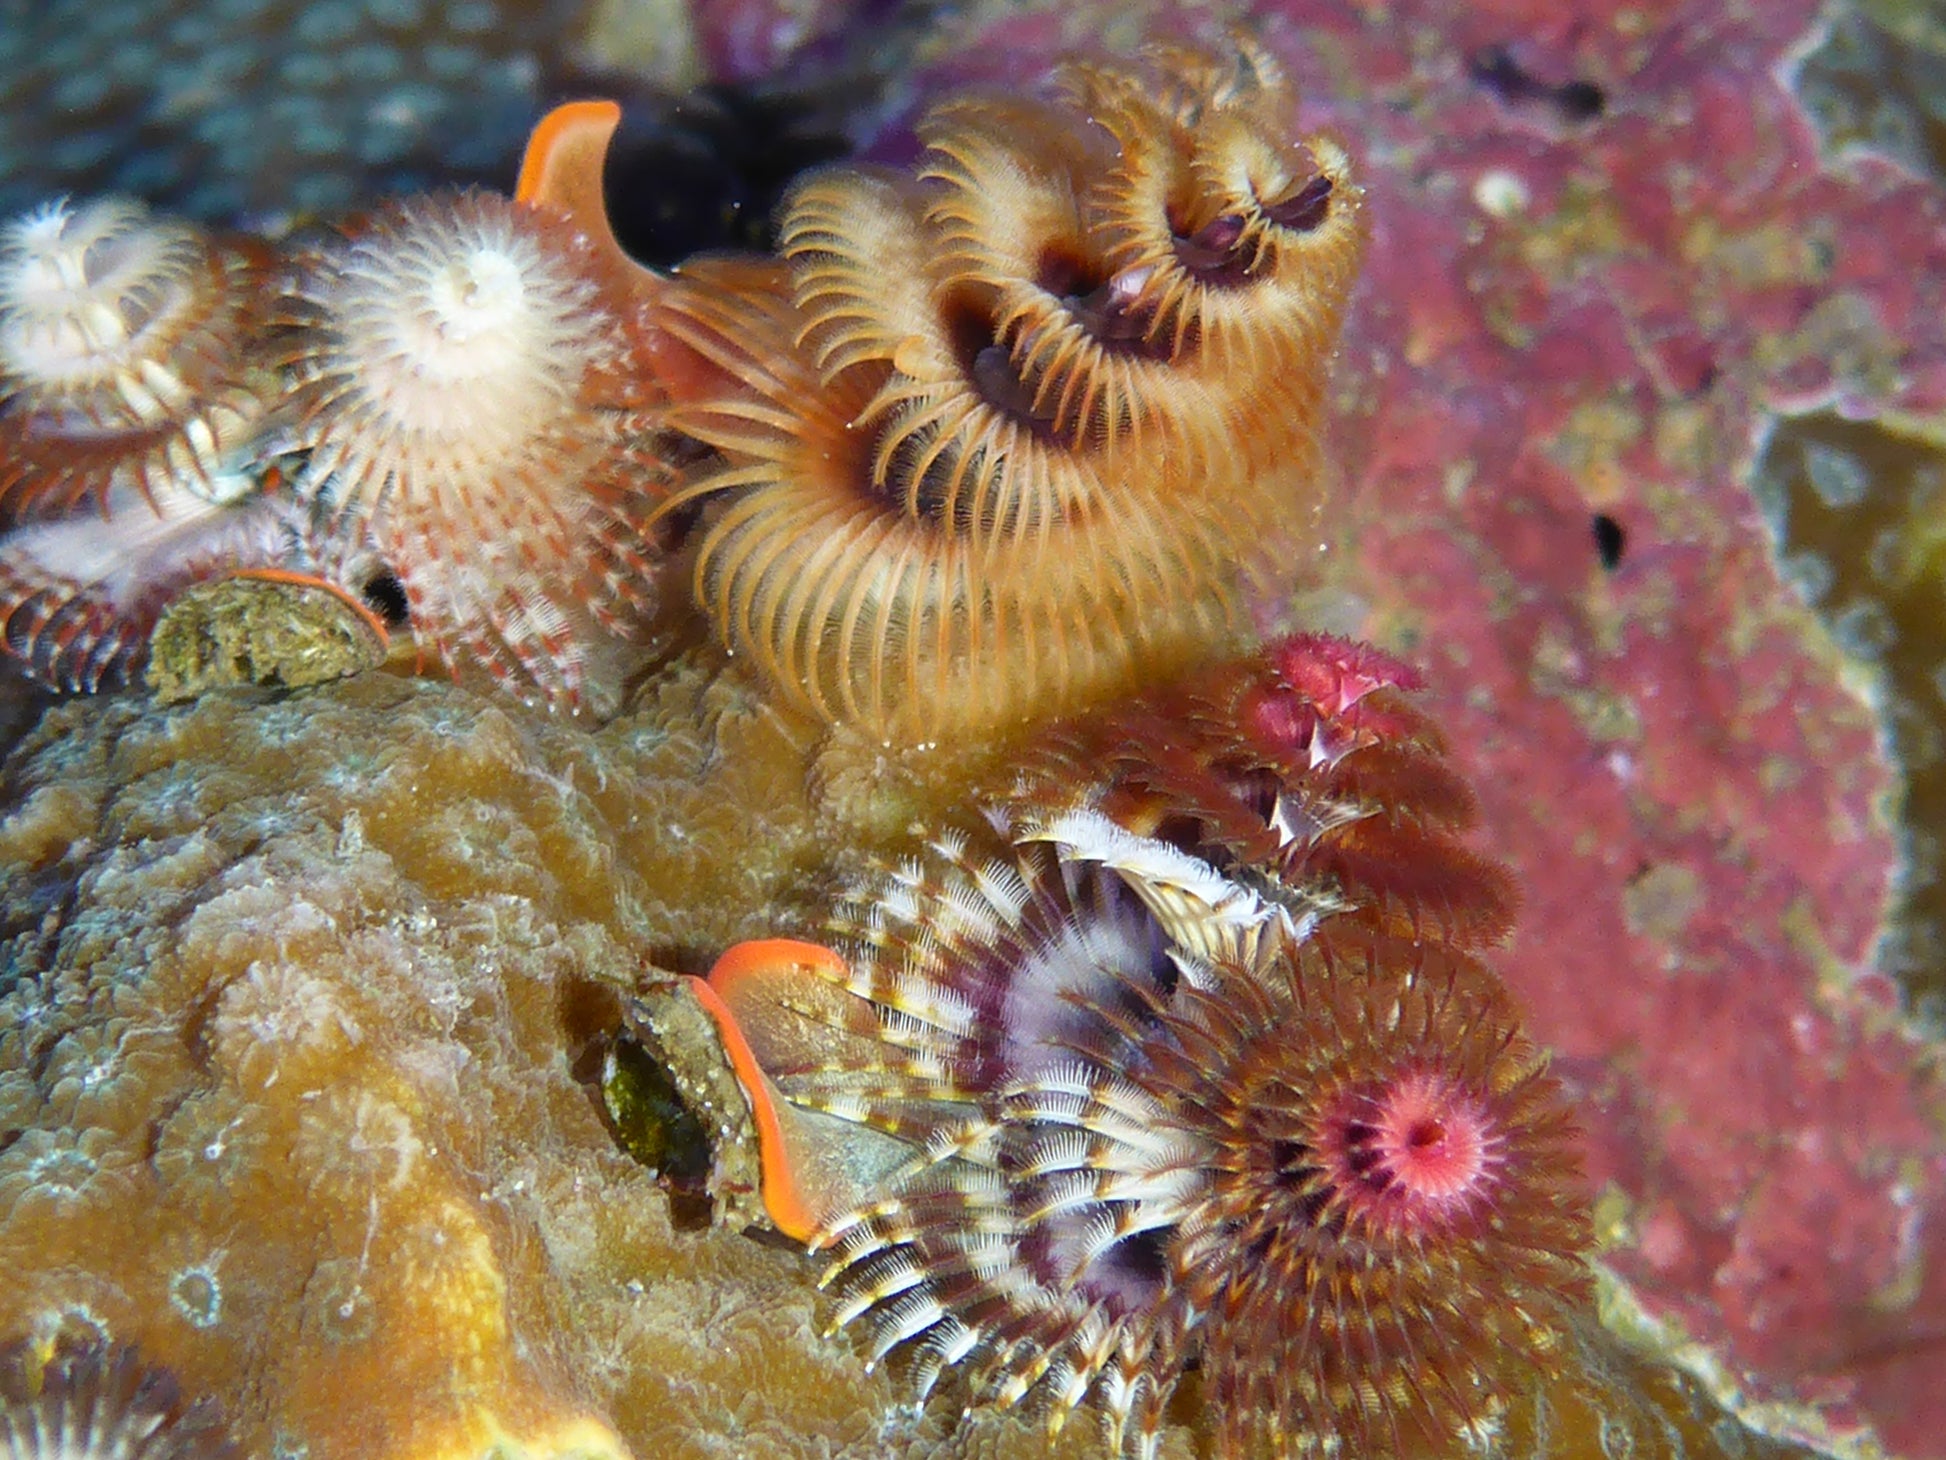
1038 415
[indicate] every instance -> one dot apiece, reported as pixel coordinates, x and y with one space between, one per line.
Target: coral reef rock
301 1048
308 1084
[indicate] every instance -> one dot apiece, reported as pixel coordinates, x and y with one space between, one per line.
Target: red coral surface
1607 252
1666 751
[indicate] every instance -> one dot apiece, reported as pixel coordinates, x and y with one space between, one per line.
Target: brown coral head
468 402
1393 1213
123 360
97 1401
995 454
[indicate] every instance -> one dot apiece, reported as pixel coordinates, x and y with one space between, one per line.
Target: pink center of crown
1418 1148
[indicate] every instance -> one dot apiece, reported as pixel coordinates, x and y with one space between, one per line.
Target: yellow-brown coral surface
299 1057
302 1047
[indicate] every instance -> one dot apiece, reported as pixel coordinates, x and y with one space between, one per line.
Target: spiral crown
1012 432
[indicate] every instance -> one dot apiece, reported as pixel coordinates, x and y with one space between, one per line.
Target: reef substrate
1647 257
313 1091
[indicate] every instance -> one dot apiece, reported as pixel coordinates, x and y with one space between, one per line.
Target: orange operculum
762 996
308 580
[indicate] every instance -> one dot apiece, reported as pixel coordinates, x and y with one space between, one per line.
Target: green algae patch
258 631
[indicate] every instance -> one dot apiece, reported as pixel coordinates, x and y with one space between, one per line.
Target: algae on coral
1858 512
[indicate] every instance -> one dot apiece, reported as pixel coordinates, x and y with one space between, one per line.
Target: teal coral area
252 107
267 111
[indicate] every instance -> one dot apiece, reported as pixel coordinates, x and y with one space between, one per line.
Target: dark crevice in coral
589 1014
41 897
384 595
1498 70
1611 538
707 170
649 1119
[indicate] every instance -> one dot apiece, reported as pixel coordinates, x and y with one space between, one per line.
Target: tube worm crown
1330 1174
133 386
101 1400
125 366
1005 431
1305 764
447 401
1177 1098
1395 1226
467 401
